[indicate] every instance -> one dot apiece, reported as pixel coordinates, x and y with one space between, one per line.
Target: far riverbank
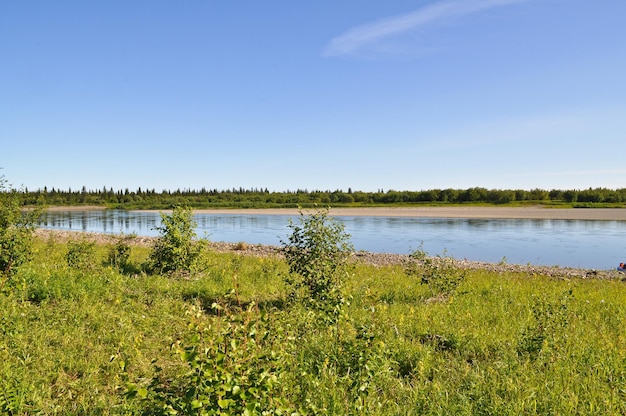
534 212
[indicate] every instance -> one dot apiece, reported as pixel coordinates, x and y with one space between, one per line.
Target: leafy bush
176 250
316 253
439 273
232 368
10 399
16 230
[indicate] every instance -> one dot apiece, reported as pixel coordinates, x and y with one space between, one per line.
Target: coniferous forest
263 198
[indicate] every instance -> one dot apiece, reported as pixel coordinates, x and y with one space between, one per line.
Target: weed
119 254
234 370
439 273
80 254
11 400
241 246
551 318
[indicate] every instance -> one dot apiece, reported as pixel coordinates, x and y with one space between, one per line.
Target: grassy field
94 339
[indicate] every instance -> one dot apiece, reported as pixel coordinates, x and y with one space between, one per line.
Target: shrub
232 368
176 249
16 230
80 254
119 254
439 273
316 253
241 246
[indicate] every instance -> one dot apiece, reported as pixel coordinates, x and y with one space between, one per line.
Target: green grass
72 341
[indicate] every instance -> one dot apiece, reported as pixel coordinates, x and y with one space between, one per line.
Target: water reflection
109 221
591 244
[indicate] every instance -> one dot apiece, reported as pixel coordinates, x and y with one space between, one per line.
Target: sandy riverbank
57 208
535 212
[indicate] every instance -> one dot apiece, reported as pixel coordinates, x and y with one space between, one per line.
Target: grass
72 341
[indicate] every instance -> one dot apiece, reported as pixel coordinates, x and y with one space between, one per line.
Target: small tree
316 252
175 250
16 230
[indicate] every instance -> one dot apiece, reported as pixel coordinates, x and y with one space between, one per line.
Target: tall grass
75 340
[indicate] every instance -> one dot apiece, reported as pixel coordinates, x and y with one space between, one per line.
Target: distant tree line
263 198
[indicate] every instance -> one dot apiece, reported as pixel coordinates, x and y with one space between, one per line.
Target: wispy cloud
361 36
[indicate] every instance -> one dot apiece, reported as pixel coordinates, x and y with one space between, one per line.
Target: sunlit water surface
572 243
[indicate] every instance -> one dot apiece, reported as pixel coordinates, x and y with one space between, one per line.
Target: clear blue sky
404 95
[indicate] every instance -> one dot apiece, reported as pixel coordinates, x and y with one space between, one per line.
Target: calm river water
571 243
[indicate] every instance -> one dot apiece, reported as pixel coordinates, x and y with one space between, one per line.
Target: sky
317 95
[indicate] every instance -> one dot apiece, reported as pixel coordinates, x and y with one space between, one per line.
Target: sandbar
487 212
532 212
57 208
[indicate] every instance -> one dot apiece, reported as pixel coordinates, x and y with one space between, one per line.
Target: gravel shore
376 259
